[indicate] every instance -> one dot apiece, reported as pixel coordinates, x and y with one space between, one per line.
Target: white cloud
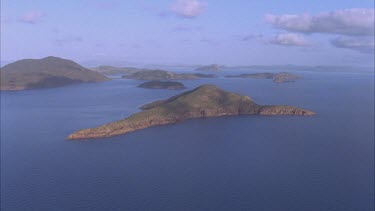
188 8
289 39
32 17
357 21
361 44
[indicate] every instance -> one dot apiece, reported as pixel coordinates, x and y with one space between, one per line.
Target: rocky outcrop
202 102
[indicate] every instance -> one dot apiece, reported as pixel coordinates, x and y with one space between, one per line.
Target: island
110 70
48 72
285 77
212 67
276 77
202 102
171 85
150 75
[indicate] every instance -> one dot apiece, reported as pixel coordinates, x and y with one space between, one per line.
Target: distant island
110 70
151 75
290 67
171 85
212 67
200 75
276 77
202 102
285 77
48 72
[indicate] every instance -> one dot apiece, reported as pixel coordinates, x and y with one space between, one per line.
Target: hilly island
48 72
202 102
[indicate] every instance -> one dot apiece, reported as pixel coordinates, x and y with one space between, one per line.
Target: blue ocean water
280 163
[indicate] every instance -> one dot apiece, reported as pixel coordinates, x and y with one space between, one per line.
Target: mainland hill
155 75
202 102
276 77
48 72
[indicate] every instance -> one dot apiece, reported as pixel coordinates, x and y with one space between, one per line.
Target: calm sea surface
282 163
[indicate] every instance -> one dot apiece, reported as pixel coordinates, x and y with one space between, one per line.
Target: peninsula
48 72
150 75
171 85
202 102
276 77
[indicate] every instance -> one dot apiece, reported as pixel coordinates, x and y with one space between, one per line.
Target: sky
190 32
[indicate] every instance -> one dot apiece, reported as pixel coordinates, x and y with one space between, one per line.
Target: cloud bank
357 21
188 8
289 39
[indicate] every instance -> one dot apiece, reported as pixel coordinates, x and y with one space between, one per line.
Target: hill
48 72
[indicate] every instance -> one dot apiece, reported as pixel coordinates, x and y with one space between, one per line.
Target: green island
202 102
171 85
48 72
